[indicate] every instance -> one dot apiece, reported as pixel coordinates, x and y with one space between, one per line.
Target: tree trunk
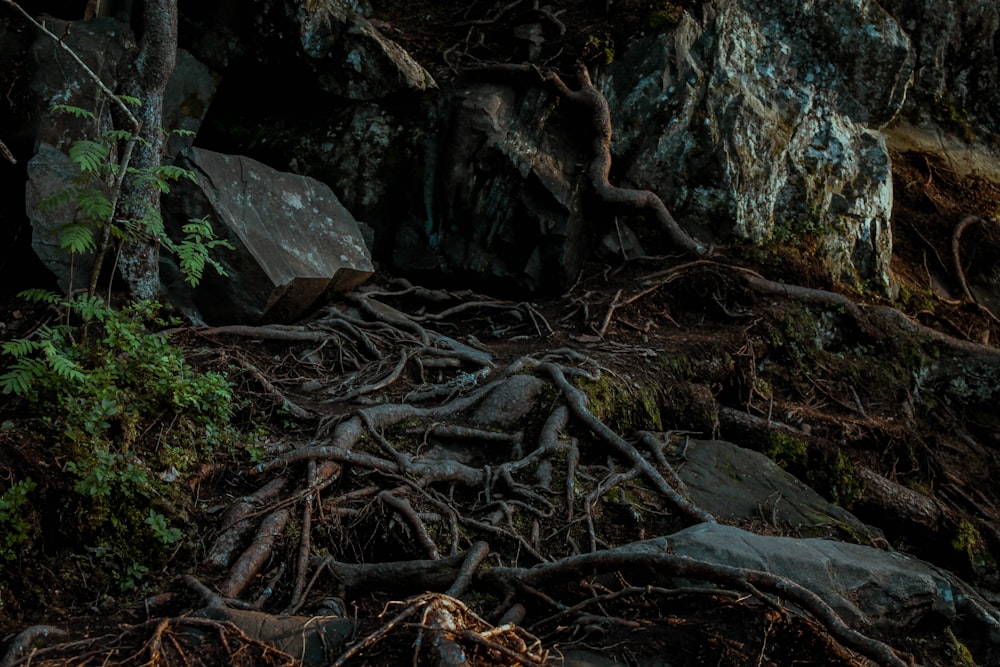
140 201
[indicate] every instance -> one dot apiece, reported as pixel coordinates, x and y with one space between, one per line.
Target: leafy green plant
119 397
164 533
122 373
13 526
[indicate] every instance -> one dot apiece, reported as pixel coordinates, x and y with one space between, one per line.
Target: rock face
758 121
957 58
511 204
352 58
294 240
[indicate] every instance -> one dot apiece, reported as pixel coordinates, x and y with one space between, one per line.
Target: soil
680 341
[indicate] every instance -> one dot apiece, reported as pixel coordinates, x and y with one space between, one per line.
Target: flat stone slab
737 484
294 240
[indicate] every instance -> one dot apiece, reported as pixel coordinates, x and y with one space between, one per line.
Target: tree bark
140 200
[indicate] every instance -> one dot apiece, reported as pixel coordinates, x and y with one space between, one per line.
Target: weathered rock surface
758 121
510 403
294 240
327 46
739 484
867 587
511 192
957 59
352 57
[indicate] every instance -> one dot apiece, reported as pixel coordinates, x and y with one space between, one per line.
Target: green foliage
600 47
89 155
92 194
14 529
119 400
164 533
73 111
193 251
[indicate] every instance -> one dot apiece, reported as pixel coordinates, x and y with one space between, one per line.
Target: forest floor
682 346
420 468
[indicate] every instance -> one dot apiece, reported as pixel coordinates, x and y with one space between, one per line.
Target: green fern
90 155
173 173
65 368
94 205
35 295
20 347
20 378
76 238
79 112
58 199
117 135
194 252
131 101
90 307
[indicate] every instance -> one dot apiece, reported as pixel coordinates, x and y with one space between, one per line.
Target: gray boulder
758 121
738 484
867 587
294 240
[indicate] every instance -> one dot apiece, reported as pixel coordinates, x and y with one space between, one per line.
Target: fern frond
36 295
79 112
94 205
20 347
117 135
90 155
172 173
64 367
58 199
90 307
180 132
76 238
131 101
21 376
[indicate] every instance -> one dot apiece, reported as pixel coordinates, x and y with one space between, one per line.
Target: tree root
574 567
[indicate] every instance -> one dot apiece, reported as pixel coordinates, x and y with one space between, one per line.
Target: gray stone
294 240
738 484
352 58
758 120
382 162
50 171
507 406
957 76
867 587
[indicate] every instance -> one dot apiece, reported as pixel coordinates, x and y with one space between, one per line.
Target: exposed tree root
623 558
